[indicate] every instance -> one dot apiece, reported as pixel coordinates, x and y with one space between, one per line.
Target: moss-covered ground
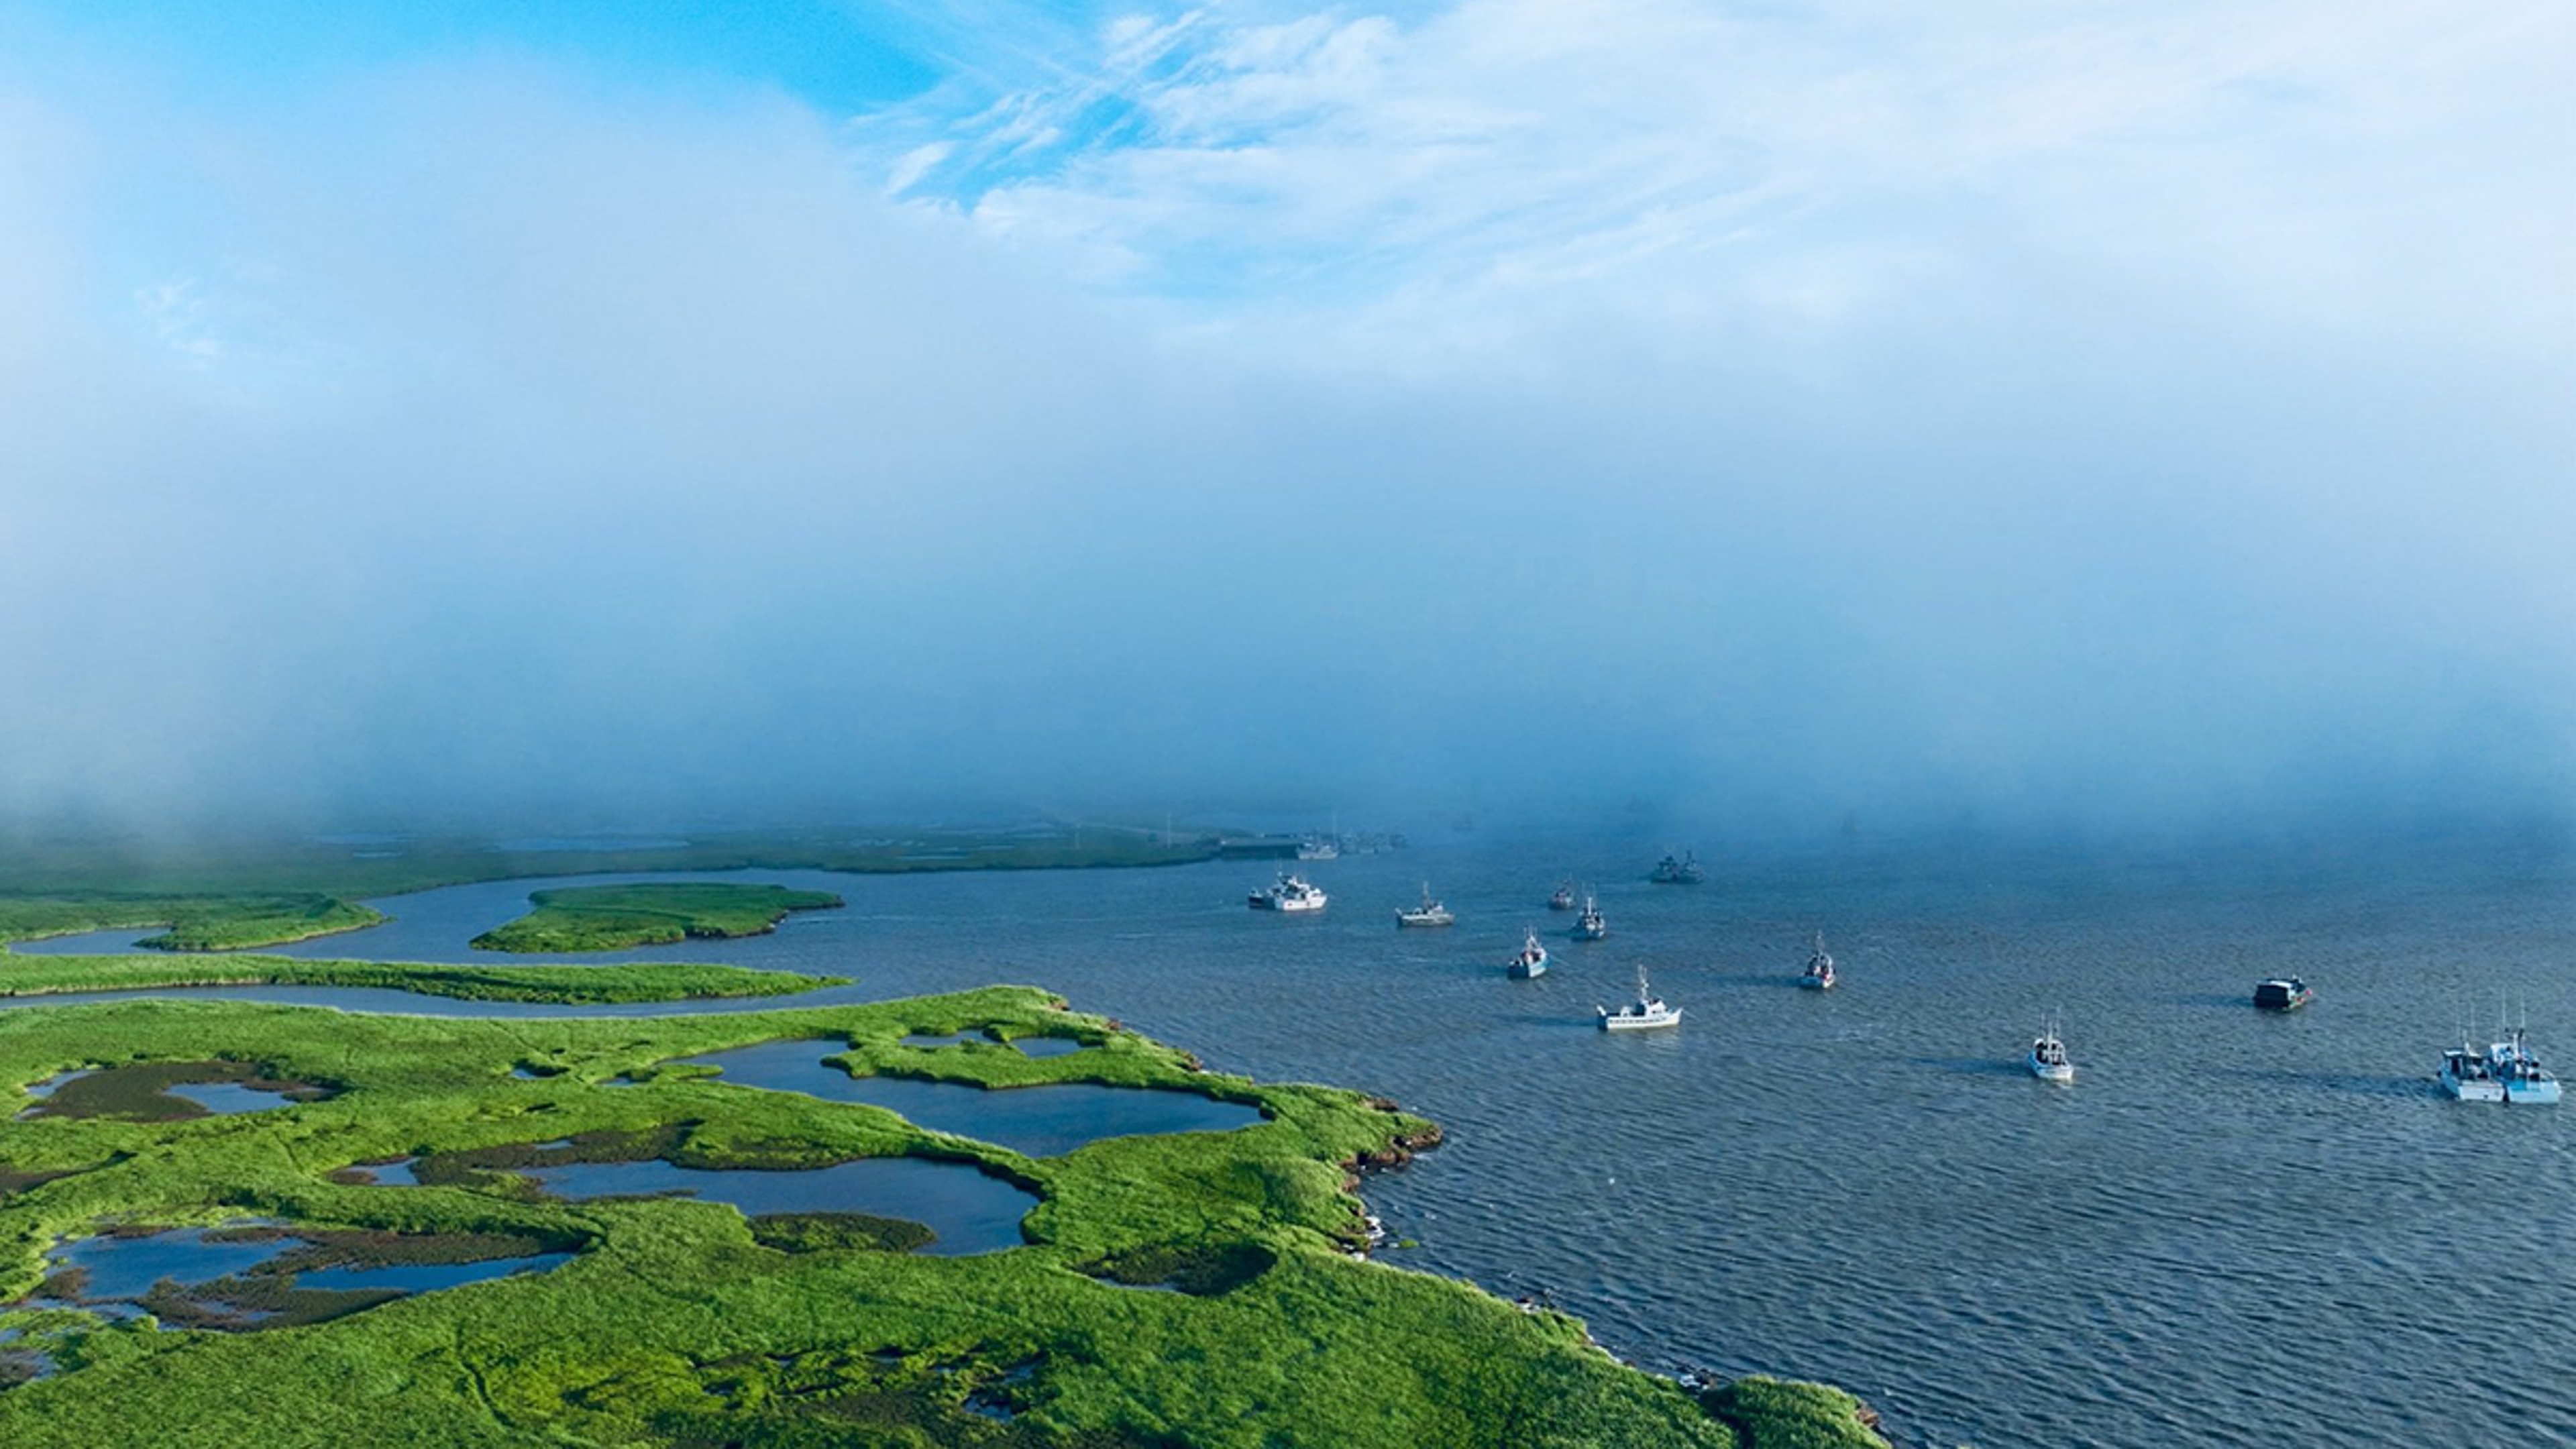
680 1322
603 985
649 913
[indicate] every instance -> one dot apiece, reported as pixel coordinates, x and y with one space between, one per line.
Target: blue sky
2113 412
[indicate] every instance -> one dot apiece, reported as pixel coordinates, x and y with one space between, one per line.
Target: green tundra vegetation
48 975
1196 1289
613 917
193 923
220 893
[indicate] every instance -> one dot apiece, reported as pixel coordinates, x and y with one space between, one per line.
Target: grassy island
614 917
1197 1290
600 985
190 922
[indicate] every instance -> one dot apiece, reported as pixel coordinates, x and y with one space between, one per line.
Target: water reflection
1040 1121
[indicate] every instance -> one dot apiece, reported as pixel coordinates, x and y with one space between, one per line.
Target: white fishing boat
2466 1077
1563 900
1531 963
1590 926
2509 1071
2524 1079
1429 913
2048 1059
1645 1013
1289 893
1819 975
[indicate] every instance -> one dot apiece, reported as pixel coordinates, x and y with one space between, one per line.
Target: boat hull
2052 1071
1641 1023
1525 971
2538 1094
2471 1089
1816 983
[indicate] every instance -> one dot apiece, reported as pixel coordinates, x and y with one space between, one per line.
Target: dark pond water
221 1099
970 1211
1039 1121
1047 1046
225 1099
2234 1229
123 1269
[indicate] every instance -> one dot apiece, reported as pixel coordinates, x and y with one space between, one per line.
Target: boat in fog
1685 871
1429 913
1646 1012
1289 893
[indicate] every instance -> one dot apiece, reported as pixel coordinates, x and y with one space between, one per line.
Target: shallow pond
970 1211
118 1268
1040 1121
166 1091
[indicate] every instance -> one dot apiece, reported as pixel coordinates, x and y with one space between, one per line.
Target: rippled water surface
2234 1228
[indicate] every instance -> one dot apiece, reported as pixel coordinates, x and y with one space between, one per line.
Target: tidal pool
124 1270
167 1091
1040 1121
969 1210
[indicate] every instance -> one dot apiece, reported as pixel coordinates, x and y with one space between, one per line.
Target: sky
2092 415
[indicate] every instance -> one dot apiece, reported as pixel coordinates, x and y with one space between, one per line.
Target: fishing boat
1685 871
1590 926
1429 913
2466 1077
1645 1013
1289 893
1531 963
2524 1079
2508 1072
2048 1060
1819 975
1563 900
2283 993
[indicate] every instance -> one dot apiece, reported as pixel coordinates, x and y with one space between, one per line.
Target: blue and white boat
1531 963
2507 1072
1590 926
